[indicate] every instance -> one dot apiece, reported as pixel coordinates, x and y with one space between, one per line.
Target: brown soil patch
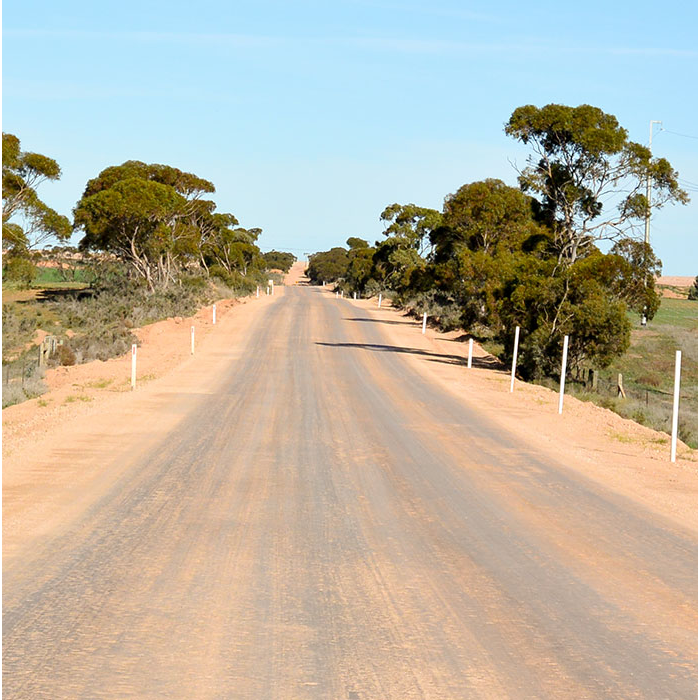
669 281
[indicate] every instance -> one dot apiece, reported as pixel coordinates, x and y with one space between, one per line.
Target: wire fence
646 395
20 374
647 405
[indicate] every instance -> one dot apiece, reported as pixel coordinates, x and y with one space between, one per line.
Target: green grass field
51 278
648 371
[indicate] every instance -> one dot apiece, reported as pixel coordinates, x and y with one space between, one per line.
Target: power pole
647 221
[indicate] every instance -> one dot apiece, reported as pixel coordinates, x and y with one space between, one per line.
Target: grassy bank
647 370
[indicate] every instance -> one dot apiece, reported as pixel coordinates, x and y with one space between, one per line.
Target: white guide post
213 315
336 295
379 303
471 350
425 320
257 291
192 339
133 367
563 373
324 283
341 293
272 288
676 401
354 295
515 358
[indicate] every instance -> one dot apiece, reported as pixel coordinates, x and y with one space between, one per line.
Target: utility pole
647 221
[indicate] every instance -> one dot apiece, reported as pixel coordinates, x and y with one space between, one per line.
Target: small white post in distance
272 288
257 291
562 382
425 319
192 339
213 315
336 295
341 293
515 358
354 295
133 367
379 303
471 350
676 401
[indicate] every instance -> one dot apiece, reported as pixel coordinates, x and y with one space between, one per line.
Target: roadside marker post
354 295
341 293
133 367
676 401
336 295
257 291
192 338
425 319
471 349
515 358
562 382
379 303
213 315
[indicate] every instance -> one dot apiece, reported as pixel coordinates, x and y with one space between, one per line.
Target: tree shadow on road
477 362
379 320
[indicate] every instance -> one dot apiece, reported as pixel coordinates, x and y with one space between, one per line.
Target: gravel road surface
329 525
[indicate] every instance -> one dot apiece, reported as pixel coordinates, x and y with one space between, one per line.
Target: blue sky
311 117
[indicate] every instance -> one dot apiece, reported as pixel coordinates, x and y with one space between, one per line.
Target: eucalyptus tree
589 178
279 260
154 217
27 222
411 225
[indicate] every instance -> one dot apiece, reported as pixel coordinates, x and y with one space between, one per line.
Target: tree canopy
155 218
277 260
589 178
412 224
328 266
27 222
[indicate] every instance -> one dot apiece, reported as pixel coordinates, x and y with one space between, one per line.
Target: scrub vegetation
153 246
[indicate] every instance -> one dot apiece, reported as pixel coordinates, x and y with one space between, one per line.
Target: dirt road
325 522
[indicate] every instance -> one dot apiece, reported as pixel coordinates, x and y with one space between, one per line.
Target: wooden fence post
620 388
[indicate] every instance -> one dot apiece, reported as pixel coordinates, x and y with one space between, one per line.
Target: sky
311 117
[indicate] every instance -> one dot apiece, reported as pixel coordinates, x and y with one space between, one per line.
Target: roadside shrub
102 322
442 310
20 272
65 355
20 390
102 343
17 330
